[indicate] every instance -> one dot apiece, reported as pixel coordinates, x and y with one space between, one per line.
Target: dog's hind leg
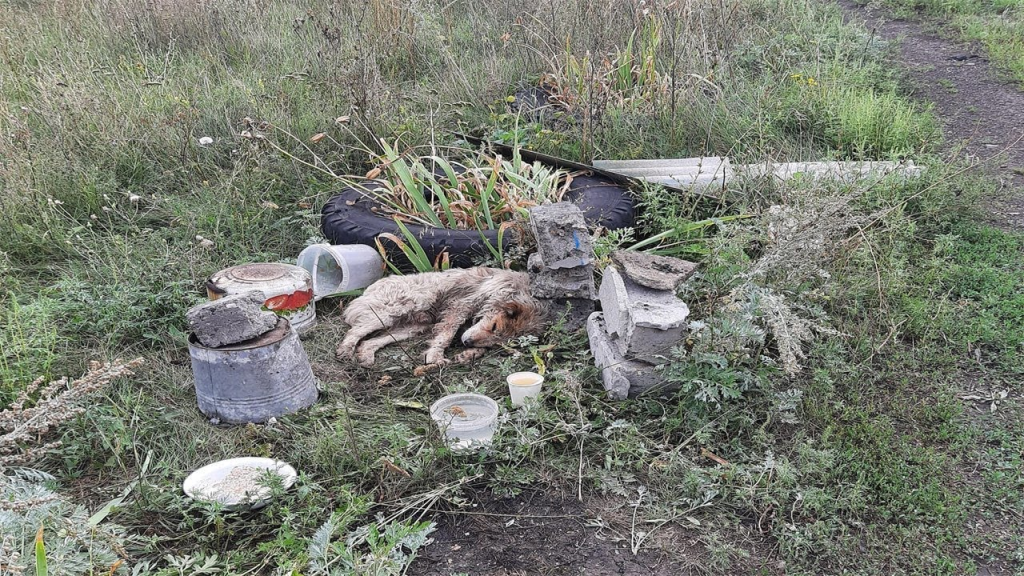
366 350
369 322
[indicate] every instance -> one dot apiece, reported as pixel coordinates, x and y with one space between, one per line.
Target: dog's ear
512 309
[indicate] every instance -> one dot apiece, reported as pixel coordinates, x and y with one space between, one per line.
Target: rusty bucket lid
270 277
257 273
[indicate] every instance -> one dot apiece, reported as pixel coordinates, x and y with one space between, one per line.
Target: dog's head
503 320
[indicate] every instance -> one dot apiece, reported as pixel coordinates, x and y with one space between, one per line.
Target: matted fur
397 308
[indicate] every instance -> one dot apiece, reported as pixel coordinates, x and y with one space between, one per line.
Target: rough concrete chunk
231 319
645 323
534 263
562 236
572 312
564 283
652 271
622 378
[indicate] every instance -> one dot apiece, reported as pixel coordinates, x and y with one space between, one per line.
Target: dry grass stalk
43 406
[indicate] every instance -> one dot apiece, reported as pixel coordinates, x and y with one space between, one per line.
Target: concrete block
231 319
646 323
562 236
534 263
573 312
652 271
622 378
575 282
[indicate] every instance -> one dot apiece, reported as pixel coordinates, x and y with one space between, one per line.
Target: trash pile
248 362
641 320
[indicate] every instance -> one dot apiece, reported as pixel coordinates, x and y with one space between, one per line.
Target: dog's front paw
468 355
435 356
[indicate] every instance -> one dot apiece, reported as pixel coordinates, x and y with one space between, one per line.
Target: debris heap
642 320
562 269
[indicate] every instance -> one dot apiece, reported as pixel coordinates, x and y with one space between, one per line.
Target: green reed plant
477 192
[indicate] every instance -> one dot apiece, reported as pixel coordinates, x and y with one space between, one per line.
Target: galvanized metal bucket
253 381
288 290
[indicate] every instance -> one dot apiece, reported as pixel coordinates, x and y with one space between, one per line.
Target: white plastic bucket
341 268
523 385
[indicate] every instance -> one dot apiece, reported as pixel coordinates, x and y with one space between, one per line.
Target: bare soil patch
545 534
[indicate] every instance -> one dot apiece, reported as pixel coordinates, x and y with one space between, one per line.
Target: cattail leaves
481 192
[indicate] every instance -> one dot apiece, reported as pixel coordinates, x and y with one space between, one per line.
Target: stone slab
231 319
572 312
653 271
622 378
561 234
646 323
564 283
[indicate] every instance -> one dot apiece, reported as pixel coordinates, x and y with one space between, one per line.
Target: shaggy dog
401 307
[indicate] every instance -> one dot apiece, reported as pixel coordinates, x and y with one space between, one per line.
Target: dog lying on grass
397 308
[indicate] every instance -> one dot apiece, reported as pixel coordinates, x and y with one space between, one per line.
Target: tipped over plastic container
341 268
466 420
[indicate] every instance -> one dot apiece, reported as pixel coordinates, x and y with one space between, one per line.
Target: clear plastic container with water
466 420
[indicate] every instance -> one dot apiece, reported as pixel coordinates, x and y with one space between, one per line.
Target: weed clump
28 504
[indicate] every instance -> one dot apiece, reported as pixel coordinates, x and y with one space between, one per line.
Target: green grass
997 24
868 460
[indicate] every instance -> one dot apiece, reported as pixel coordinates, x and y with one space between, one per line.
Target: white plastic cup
523 385
341 268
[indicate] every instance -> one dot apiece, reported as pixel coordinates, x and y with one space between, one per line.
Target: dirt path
979 112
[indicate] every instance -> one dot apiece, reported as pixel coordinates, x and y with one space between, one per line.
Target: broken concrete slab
713 175
645 322
534 263
562 236
231 319
652 271
575 282
705 173
571 312
622 378
843 171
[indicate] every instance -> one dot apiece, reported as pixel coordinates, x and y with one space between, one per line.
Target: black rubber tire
348 218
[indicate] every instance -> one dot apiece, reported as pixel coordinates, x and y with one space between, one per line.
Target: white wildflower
205 141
